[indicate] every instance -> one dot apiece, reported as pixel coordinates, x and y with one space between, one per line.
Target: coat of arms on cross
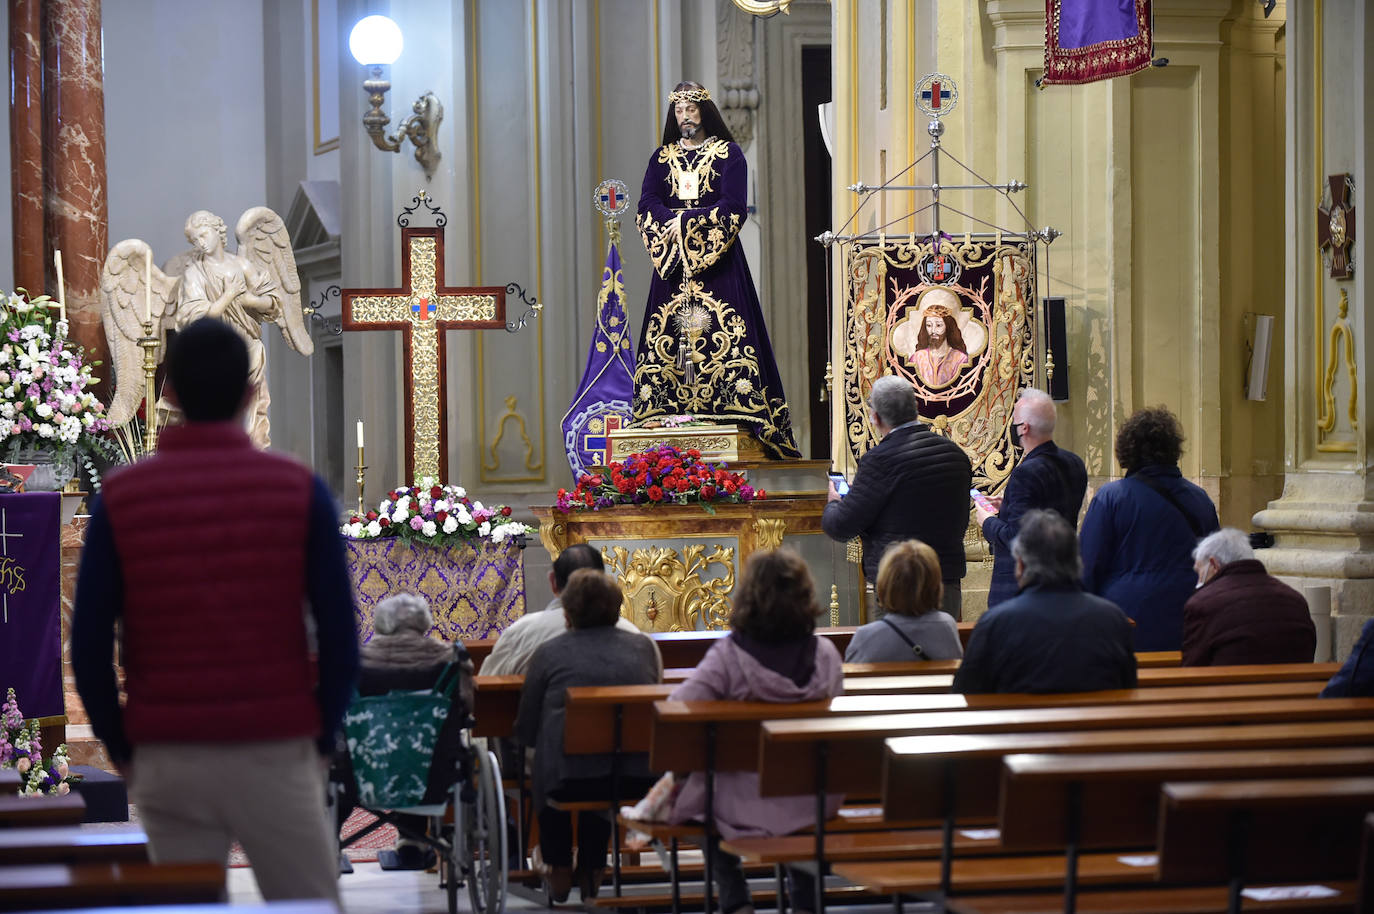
1336 226
422 309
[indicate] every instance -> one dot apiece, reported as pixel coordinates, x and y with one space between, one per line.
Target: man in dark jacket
1048 476
1240 613
1052 637
913 484
1355 678
211 554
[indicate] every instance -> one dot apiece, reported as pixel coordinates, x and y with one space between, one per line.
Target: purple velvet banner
1088 40
30 602
475 589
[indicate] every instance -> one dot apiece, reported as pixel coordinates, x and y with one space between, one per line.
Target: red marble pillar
26 142
76 206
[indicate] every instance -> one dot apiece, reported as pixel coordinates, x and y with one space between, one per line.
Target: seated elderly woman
593 652
772 654
401 655
914 628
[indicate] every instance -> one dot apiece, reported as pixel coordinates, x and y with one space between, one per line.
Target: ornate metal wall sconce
376 43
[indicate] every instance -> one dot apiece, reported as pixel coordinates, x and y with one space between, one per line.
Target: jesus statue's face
688 118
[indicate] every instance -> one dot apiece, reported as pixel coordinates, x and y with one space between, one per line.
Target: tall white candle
148 285
360 433
61 286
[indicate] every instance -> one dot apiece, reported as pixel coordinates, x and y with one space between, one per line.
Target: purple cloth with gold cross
475 589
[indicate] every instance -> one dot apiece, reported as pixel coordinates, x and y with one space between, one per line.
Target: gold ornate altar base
679 564
717 443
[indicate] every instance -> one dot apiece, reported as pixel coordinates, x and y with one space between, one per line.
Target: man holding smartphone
913 484
1048 476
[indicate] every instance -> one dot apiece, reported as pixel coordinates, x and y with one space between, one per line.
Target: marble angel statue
246 289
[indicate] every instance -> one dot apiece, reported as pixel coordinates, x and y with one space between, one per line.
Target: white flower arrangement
435 514
45 402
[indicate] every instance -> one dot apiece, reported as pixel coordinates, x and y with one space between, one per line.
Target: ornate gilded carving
512 415
668 592
553 534
768 532
1340 328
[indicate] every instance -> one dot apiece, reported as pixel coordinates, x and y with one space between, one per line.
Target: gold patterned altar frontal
677 564
727 443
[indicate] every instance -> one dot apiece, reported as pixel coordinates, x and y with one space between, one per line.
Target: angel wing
124 294
264 240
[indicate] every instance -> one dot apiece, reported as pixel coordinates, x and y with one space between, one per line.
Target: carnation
432 513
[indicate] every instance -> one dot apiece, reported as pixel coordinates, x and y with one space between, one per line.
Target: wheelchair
467 830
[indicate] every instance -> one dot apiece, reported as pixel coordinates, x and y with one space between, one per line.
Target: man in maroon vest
211 554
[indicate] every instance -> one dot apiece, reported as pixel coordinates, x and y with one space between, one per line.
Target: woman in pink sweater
772 654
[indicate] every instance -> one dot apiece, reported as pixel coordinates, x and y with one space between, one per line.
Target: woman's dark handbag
391 739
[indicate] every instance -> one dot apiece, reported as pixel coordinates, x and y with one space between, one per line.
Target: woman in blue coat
1139 532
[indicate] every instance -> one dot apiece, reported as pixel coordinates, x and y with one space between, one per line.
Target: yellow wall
1167 185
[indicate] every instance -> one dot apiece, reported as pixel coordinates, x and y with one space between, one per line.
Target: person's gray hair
1038 412
1047 548
1227 545
894 400
402 611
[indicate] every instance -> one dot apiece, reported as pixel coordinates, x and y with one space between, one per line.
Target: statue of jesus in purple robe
703 348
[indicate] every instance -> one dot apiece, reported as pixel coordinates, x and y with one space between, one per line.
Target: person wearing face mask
1048 476
703 347
1240 613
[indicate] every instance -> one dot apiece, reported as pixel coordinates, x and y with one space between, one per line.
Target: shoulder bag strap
1168 496
915 648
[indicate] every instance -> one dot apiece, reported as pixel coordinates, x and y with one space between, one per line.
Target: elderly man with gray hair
913 484
1240 613
1051 637
1047 476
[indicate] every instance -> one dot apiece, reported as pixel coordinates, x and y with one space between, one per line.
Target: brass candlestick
835 605
149 343
362 467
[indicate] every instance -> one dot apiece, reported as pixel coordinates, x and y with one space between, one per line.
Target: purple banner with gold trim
475 589
1088 40
30 602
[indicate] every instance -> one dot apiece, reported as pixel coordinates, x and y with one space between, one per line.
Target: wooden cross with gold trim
422 309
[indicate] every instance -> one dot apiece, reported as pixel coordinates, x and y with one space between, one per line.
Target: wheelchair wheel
484 839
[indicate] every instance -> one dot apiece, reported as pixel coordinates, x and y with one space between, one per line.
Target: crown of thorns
689 95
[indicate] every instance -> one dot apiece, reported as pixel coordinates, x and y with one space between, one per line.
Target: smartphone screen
981 500
841 486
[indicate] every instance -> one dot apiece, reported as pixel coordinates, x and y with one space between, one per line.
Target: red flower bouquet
660 475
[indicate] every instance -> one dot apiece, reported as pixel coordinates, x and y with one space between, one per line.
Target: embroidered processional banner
958 323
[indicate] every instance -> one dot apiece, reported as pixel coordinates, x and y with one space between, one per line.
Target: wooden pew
855 744
1229 834
28 812
314 906
59 885
72 844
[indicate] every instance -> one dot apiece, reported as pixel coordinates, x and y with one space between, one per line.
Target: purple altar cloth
475 589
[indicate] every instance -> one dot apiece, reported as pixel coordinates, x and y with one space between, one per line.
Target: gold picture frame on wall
321 145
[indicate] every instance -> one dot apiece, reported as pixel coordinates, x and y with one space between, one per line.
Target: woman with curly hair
1139 532
772 654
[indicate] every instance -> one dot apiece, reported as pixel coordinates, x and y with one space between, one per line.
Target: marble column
26 142
74 164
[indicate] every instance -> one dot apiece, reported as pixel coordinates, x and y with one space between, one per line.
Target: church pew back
1285 829
679 728
913 767
1119 793
28 812
58 885
72 844
856 758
